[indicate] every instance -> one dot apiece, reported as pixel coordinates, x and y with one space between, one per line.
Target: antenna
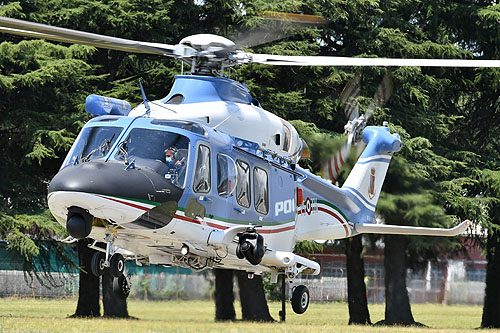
145 100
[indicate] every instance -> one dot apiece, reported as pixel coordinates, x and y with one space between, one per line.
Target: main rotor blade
276 26
36 30
279 60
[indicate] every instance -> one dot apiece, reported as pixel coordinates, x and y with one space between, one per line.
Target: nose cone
111 178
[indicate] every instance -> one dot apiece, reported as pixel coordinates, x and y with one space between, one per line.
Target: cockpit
153 148
93 143
164 152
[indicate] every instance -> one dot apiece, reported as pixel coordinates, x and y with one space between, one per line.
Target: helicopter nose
112 178
114 181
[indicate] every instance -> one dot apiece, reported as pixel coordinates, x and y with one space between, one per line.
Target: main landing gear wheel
121 286
98 264
300 299
117 265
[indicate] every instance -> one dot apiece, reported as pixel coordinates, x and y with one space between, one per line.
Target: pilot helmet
173 150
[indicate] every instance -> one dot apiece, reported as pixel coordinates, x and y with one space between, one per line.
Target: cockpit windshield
93 143
163 152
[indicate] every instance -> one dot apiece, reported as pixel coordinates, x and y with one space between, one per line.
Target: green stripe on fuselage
226 220
334 207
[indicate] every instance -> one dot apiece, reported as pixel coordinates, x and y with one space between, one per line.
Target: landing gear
121 286
114 261
282 313
98 264
300 299
117 265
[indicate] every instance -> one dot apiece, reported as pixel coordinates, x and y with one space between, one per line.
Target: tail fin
365 181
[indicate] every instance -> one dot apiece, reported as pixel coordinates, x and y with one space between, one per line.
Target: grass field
49 315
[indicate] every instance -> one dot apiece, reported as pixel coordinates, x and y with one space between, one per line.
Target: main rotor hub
204 42
206 53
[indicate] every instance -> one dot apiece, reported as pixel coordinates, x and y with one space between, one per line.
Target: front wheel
98 264
121 286
300 299
117 264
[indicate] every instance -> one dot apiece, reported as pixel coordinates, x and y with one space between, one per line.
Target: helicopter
235 197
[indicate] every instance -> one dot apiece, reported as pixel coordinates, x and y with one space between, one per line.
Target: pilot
170 157
175 166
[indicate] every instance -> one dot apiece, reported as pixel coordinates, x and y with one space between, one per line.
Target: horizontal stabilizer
289 259
368 228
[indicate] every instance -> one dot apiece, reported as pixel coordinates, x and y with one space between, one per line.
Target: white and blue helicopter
233 195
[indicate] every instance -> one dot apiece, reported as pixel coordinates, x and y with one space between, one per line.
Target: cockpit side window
243 183
93 143
202 182
261 192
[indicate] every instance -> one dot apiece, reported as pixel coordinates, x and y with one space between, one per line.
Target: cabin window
202 172
243 183
261 192
226 175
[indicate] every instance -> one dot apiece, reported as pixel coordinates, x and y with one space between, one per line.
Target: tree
356 287
88 289
41 84
224 296
252 296
253 299
448 117
114 306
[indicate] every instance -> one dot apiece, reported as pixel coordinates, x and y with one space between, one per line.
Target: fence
179 285
144 286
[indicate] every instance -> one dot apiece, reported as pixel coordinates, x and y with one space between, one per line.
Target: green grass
49 315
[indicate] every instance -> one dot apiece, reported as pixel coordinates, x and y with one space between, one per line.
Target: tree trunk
356 288
88 293
114 306
397 302
253 298
224 296
491 308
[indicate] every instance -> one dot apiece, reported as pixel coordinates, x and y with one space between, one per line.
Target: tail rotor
350 100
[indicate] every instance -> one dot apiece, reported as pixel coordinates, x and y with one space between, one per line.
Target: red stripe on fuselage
210 224
337 217
272 231
126 203
217 226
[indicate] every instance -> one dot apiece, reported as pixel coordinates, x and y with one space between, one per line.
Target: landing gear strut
110 259
282 313
116 263
300 299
